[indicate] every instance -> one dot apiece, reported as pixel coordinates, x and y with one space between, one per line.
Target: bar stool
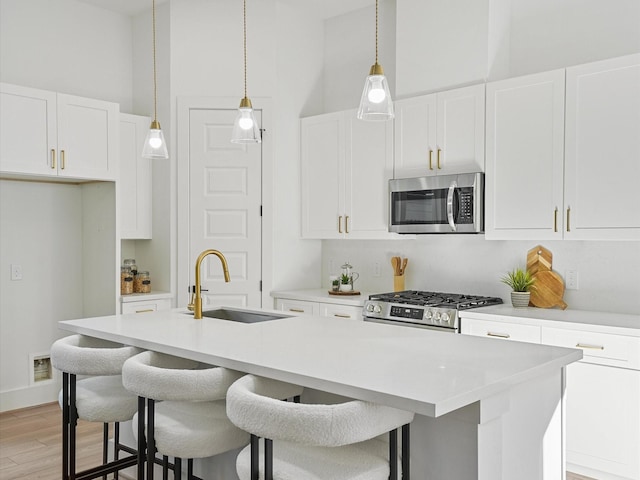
185 410
327 442
97 398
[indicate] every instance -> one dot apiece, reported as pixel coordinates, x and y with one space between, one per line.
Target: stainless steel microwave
438 204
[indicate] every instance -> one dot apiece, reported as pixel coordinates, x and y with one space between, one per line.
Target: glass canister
126 281
142 283
131 263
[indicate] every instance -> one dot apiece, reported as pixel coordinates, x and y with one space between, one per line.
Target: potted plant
521 282
345 283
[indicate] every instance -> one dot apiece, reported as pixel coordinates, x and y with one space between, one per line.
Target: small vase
520 299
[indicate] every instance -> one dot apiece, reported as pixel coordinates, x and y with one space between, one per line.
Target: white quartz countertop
322 295
605 322
427 372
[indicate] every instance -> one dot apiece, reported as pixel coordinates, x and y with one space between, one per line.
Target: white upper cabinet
441 133
602 150
565 167
53 134
134 179
524 170
346 167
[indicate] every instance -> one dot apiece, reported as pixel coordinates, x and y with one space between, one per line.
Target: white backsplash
607 271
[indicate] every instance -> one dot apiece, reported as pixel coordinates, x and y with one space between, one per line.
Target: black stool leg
177 468
268 459
65 426
105 446
255 454
406 452
165 467
393 454
190 469
141 439
73 422
116 445
151 443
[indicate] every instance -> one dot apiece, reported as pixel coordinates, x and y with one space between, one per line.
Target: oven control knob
436 316
445 317
428 314
377 308
370 307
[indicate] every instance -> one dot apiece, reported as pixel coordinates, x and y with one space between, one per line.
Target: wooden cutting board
539 259
548 291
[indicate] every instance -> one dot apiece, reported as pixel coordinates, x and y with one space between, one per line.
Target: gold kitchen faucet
196 297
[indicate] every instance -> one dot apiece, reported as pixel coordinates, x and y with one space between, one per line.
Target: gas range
435 310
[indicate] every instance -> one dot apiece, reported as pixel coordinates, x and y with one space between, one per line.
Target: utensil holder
398 283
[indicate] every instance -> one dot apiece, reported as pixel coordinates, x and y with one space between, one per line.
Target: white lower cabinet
603 394
319 308
145 306
506 331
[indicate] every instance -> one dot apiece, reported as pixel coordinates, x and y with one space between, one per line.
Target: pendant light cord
244 23
376 31
155 82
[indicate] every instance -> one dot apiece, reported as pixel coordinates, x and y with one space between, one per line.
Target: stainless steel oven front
438 204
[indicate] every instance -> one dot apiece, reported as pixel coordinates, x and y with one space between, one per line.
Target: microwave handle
452 189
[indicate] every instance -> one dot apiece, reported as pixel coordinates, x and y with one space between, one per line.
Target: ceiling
321 8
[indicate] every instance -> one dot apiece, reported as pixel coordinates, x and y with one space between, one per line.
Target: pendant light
245 128
154 144
376 103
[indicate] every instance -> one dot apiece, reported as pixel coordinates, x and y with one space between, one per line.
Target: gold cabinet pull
430 159
62 162
439 153
568 219
340 224
298 310
346 224
53 159
146 310
341 315
499 335
555 220
590 347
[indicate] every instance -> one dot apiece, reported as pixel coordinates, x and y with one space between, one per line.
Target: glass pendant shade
154 144
376 103
245 128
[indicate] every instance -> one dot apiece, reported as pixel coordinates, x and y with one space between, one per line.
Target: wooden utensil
548 290
404 265
395 263
539 259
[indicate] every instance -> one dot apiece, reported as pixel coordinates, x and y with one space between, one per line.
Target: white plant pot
520 299
346 287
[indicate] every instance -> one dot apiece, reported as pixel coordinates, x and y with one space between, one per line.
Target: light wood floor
31 444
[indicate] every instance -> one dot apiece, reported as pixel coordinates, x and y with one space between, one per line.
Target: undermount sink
241 316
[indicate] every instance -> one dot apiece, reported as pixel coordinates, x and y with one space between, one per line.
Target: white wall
66 46
470 264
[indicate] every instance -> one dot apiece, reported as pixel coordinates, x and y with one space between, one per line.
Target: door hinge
260 285
260 210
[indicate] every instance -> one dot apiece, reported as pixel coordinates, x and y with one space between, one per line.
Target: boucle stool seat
310 441
100 397
186 410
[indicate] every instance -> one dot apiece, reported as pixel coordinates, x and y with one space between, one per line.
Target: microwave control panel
465 205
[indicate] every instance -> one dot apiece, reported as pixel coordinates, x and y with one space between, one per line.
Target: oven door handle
452 189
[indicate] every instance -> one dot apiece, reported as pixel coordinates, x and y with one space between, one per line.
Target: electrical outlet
572 280
16 272
331 266
375 269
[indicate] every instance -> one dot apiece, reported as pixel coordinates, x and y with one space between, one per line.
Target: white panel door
322 143
602 156
87 138
27 130
415 137
524 157
368 169
225 196
460 131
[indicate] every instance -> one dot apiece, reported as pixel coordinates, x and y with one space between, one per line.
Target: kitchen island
486 410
